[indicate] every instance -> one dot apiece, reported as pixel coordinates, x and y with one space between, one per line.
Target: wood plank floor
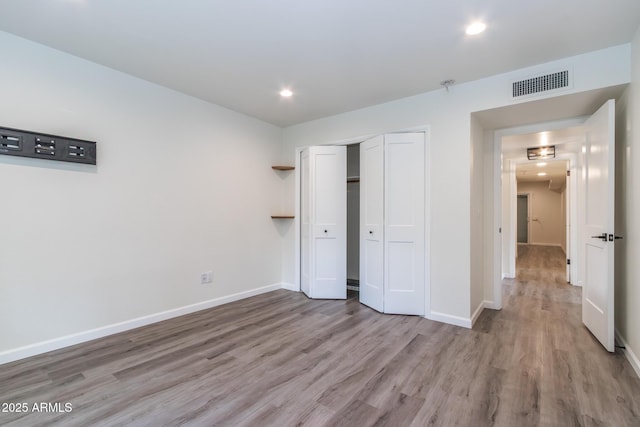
280 359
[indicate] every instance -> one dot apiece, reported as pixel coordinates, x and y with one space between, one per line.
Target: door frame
426 129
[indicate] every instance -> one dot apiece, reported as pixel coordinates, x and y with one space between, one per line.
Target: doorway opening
593 161
543 220
353 220
538 204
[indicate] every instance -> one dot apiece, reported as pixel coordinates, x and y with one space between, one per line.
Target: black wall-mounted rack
22 143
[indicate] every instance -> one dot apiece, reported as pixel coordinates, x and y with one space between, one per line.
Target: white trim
629 354
477 313
80 337
427 217
492 305
464 322
296 222
498 227
290 287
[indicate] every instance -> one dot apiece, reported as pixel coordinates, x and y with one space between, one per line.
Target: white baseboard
477 313
541 244
449 319
629 354
492 305
290 287
80 337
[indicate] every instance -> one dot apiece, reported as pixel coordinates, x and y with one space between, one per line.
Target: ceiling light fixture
476 28
541 164
539 153
542 174
286 93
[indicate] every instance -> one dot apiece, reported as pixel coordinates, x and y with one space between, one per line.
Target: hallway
556 359
541 268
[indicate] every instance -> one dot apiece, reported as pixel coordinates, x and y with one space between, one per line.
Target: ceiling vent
541 84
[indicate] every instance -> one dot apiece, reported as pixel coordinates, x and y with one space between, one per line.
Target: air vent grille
541 84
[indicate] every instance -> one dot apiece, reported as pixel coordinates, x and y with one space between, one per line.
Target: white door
598 177
372 222
404 241
324 222
392 242
567 211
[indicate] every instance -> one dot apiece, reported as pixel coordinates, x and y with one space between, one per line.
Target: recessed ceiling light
541 164
286 93
476 28
542 174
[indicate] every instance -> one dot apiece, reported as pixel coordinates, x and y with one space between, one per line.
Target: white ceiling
566 140
335 55
555 170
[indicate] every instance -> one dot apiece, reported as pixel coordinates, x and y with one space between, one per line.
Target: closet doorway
363 223
353 217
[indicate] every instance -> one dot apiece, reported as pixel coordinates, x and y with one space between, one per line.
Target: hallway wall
546 224
627 301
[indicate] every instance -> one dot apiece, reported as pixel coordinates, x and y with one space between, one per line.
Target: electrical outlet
206 277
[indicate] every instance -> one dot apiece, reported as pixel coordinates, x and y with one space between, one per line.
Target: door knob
325 231
602 237
370 231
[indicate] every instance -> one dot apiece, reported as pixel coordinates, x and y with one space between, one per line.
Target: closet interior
353 218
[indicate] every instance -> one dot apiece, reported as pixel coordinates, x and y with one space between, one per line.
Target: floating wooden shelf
282 168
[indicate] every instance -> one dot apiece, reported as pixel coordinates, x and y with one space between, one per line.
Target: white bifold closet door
323 224
392 234
372 223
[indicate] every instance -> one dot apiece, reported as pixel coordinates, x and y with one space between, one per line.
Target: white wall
477 225
493 230
546 225
448 115
181 187
627 302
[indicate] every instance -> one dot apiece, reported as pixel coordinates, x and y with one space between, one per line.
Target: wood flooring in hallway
280 359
